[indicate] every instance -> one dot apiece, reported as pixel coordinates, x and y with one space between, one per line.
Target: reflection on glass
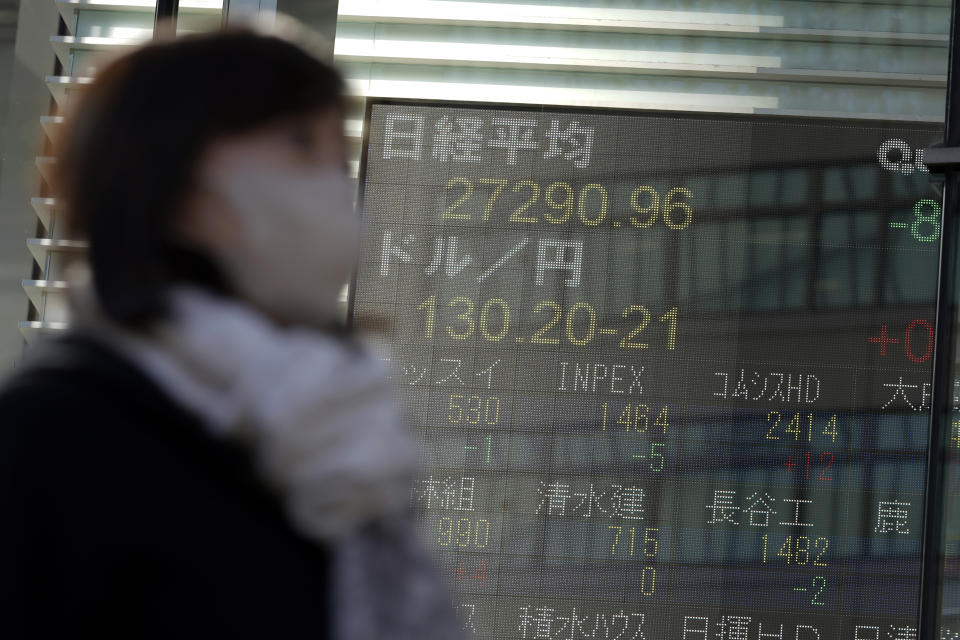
671 374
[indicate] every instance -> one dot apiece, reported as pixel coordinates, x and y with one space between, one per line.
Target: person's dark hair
129 154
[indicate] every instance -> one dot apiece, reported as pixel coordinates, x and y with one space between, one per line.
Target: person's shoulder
76 379
52 408
77 403
62 367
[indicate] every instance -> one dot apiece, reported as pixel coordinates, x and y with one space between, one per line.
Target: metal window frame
239 11
943 159
165 18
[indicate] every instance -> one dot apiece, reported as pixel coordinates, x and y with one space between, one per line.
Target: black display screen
670 373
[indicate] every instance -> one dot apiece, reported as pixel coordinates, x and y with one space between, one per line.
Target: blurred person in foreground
207 453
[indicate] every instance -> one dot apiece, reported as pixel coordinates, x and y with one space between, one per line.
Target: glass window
664 280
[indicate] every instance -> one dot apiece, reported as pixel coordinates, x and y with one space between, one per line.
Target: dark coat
120 517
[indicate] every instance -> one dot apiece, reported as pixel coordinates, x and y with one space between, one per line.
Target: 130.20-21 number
578 324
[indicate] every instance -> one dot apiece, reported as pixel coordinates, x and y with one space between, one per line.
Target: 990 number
463 533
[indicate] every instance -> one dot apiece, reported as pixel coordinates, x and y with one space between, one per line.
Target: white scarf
326 433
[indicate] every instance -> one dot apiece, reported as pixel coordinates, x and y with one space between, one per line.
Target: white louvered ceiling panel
94 29
852 59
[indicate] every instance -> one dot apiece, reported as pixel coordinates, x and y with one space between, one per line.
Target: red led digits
479 573
807 463
908 340
883 340
917 340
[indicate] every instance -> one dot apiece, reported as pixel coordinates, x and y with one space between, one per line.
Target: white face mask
300 239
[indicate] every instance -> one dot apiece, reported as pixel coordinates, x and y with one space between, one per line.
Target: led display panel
670 373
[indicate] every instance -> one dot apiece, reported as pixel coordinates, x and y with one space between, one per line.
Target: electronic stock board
670 373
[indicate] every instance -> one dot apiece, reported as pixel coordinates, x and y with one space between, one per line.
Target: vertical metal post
931 576
165 18
241 12
225 14
319 15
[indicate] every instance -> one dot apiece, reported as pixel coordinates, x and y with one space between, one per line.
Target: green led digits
925 226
